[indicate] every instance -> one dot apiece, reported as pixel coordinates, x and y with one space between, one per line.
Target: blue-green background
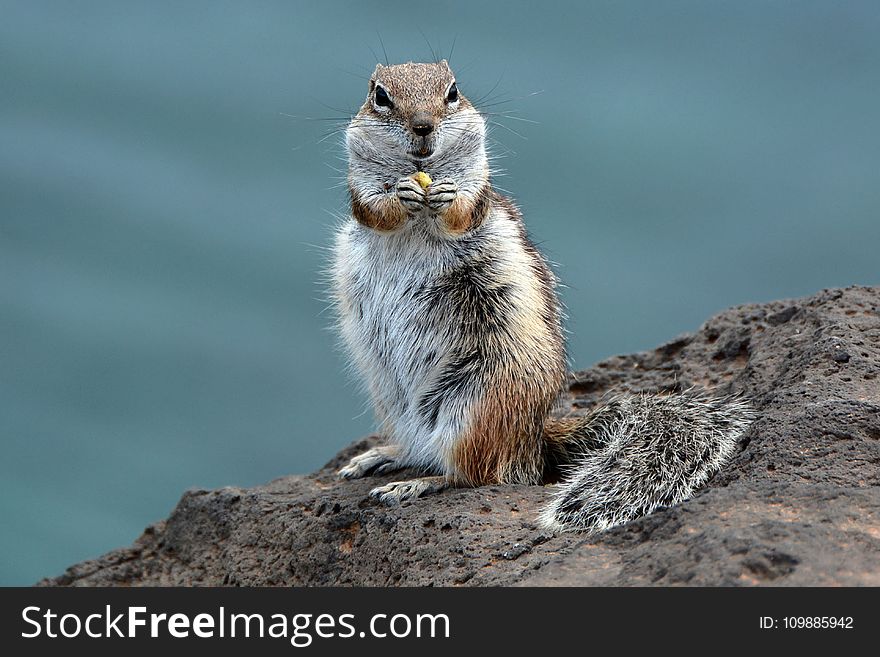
164 220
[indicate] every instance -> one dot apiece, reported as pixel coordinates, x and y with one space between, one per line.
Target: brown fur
466 214
409 85
385 215
498 448
504 444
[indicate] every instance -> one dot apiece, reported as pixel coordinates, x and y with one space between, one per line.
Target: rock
800 505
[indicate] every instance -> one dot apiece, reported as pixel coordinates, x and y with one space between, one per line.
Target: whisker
300 117
430 47
508 116
480 100
359 76
327 135
373 52
382 43
342 112
510 100
501 125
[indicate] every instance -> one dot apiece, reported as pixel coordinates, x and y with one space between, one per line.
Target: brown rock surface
800 505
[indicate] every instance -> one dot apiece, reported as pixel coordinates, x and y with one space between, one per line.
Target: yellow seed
422 178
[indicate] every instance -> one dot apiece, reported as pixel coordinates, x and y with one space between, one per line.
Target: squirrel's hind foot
398 491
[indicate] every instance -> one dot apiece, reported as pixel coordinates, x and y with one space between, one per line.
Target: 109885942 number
817 622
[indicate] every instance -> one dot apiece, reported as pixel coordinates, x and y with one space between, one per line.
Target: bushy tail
635 453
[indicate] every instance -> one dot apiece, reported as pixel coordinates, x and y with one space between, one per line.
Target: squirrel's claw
441 194
410 194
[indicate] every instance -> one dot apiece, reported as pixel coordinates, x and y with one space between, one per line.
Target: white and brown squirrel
451 316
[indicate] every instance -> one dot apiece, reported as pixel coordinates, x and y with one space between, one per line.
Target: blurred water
163 220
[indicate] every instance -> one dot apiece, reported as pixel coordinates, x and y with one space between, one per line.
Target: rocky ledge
800 505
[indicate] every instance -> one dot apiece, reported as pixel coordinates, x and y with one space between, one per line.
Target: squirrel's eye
452 94
382 99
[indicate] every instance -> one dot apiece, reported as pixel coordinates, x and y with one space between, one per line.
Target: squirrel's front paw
410 194
376 461
441 194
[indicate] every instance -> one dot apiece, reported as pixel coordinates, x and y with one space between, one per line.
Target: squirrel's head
417 109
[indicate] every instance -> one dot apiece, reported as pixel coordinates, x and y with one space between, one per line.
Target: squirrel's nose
422 125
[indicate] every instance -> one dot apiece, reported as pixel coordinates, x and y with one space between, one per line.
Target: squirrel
451 316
